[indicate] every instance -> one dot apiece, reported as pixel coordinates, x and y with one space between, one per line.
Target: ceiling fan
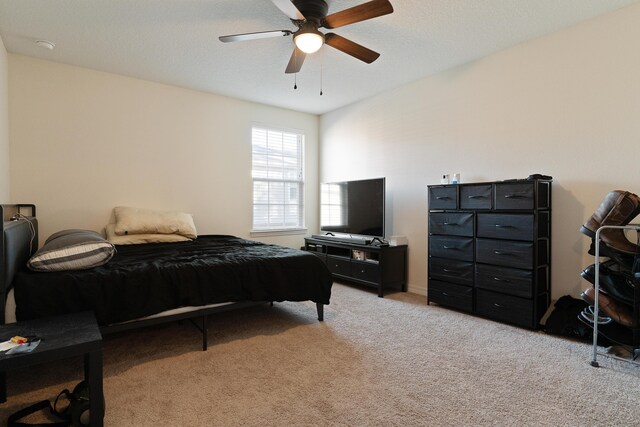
308 16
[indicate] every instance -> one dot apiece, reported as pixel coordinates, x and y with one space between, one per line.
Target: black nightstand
62 337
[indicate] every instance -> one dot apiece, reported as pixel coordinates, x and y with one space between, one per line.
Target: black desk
62 337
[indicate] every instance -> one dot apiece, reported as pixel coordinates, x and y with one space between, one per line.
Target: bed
152 283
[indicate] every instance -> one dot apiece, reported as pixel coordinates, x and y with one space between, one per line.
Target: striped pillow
72 250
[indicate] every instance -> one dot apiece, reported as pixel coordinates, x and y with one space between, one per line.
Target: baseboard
420 290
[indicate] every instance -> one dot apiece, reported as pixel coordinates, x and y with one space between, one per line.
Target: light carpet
392 361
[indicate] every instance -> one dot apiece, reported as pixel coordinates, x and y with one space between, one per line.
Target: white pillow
134 239
72 250
147 221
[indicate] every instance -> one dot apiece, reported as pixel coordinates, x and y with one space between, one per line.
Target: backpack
563 320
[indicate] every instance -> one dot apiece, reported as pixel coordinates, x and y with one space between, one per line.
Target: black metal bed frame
202 314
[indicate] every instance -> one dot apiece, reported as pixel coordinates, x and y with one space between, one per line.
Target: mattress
148 279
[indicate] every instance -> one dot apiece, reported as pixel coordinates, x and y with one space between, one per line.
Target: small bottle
456 178
444 179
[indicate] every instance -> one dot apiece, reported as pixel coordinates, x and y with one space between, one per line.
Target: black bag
563 320
71 407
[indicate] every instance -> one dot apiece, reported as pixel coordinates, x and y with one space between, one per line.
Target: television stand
374 265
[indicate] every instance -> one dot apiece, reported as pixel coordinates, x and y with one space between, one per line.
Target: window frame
282 229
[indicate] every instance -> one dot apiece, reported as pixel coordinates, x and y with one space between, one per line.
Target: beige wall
83 142
4 127
566 105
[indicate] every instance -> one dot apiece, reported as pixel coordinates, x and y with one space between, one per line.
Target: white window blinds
278 179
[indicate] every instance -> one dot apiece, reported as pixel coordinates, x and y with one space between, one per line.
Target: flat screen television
353 207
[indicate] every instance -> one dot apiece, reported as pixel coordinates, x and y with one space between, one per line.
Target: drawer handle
453 248
444 294
449 223
503 226
446 270
497 279
475 196
515 196
502 253
442 197
498 305
361 271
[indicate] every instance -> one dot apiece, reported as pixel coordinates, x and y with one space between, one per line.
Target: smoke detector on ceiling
45 44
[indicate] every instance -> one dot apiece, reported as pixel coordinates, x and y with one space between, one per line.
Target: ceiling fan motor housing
313 10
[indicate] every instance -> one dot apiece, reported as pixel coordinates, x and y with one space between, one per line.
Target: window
278 179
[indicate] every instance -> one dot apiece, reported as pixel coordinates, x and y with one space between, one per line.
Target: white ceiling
176 42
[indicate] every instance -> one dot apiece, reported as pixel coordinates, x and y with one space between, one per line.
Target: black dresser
490 249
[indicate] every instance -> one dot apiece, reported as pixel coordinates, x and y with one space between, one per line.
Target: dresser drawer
455 296
514 195
450 223
338 265
505 226
505 253
367 271
458 248
505 280
443 197
450 270
505 308
475 196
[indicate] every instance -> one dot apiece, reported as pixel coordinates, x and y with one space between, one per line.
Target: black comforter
141 280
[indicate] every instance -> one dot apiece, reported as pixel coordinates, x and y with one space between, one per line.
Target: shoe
623 259
616 284
611 333
588 314
617 208
618 312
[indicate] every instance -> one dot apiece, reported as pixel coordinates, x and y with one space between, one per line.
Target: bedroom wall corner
5 173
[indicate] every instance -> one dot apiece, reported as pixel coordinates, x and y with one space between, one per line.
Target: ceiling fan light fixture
309 41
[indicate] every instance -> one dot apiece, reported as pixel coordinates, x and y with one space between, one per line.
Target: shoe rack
634 332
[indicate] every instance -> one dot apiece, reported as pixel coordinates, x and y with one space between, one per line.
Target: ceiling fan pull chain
295 75
321 66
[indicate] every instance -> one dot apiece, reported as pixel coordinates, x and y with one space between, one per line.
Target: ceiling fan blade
351 48
295 63
358 13
289 9
254 36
